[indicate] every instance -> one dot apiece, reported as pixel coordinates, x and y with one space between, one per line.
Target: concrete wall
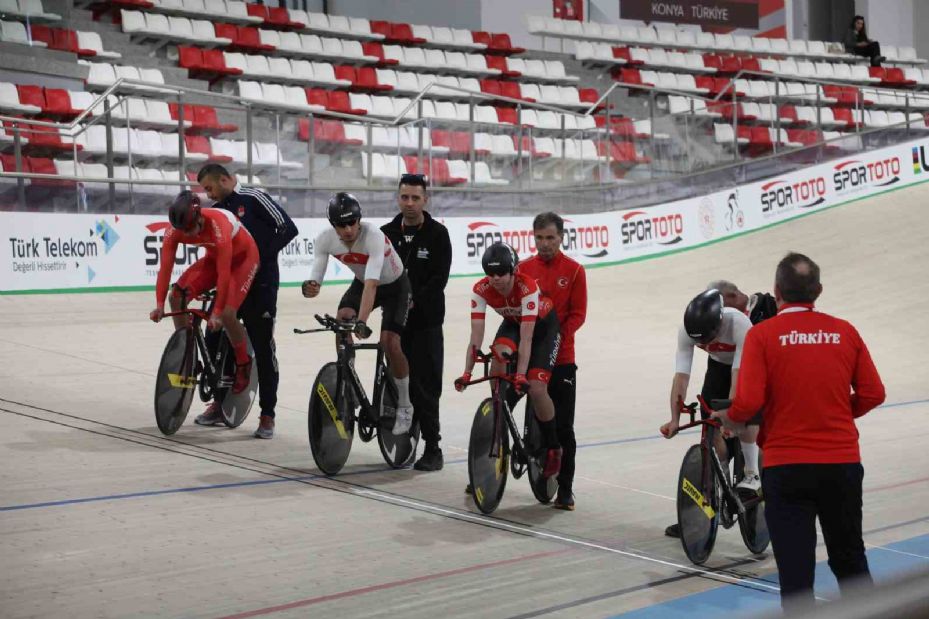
451 13
890 21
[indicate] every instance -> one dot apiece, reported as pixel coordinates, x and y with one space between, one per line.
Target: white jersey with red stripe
371 256
726 348
524 303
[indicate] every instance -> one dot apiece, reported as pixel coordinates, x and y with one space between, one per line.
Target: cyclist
720 331
229 265
380 281
530 329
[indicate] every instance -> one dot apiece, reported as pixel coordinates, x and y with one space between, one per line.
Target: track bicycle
187 364
493 427
339 403
706 494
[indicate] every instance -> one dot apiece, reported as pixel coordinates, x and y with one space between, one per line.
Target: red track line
390 585
898 485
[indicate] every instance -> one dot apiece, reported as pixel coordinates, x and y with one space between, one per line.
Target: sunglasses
345 224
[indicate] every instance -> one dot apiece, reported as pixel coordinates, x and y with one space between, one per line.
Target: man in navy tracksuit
272 230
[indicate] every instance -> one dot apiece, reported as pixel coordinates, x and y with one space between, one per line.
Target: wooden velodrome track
101 516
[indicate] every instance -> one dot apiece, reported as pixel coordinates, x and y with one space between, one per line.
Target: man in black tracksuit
424 246
272 230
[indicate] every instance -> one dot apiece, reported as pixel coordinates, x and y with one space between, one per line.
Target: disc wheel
697 507
176 381
543 488
236 406
330 421
487 473
398 451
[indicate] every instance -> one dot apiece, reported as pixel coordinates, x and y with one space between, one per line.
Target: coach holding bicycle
813 376
424 247
564 281
272 230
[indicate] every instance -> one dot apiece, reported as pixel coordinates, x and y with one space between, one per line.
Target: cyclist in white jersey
380 281
720 331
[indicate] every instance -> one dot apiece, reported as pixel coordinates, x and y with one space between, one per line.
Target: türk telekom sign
732 13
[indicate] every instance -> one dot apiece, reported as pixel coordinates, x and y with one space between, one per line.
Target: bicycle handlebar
485 358
329 324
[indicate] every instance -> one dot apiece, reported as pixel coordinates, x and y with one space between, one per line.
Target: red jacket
564 281
812 374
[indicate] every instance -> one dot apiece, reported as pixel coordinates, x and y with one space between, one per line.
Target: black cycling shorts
546 338
394 299
716 386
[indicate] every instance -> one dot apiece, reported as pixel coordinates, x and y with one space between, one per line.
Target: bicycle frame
501 407
198 316
345 356
711 462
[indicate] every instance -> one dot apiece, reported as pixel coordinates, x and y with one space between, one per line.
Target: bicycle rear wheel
487 473
398 451
697 507
236 406
543 488
176 381
752 524
330 422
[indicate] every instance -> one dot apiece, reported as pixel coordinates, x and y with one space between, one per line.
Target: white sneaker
403 420
751 482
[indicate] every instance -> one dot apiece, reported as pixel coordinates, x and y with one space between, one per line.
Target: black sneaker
565 499
673 530
430 461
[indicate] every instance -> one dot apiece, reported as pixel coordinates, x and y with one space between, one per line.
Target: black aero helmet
344 209
704 316
185 210
499 259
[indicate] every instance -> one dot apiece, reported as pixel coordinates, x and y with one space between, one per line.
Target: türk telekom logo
780 196
639 229
855 175
589 241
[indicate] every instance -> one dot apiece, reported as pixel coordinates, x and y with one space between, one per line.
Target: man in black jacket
272 230
424 246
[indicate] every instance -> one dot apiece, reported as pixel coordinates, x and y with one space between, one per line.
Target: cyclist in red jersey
229 265
529 329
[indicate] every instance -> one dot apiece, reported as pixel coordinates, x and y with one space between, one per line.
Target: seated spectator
858 43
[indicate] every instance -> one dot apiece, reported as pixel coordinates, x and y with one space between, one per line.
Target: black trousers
795 495
425 351
872 50
562 389
258 312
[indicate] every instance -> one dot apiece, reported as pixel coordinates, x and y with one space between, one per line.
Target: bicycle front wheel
487 460
697 507
330 421
544 488
176 381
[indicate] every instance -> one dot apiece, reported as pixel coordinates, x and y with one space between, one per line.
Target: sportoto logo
151 244
588 241
780 196
854 175
641 229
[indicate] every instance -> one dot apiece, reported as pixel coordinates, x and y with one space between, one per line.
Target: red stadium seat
42 165
380 27
339 102
58 103
367 79
280 16
226 31
403 33
373 48
499 63
501 42
32 95
622 53
248 39
190 58
201 144
317 96
712 61
511 90
258 10
506 115
481 37
490 87
345 72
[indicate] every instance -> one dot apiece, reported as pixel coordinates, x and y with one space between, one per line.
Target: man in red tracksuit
564 281
813 376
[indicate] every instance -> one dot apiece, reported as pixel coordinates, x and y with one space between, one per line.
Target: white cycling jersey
726 348
371 256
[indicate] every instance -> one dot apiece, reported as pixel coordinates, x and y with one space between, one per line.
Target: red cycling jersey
525 302
230 263
564 281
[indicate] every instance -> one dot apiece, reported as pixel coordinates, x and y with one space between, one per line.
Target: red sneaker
243 376
552 463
